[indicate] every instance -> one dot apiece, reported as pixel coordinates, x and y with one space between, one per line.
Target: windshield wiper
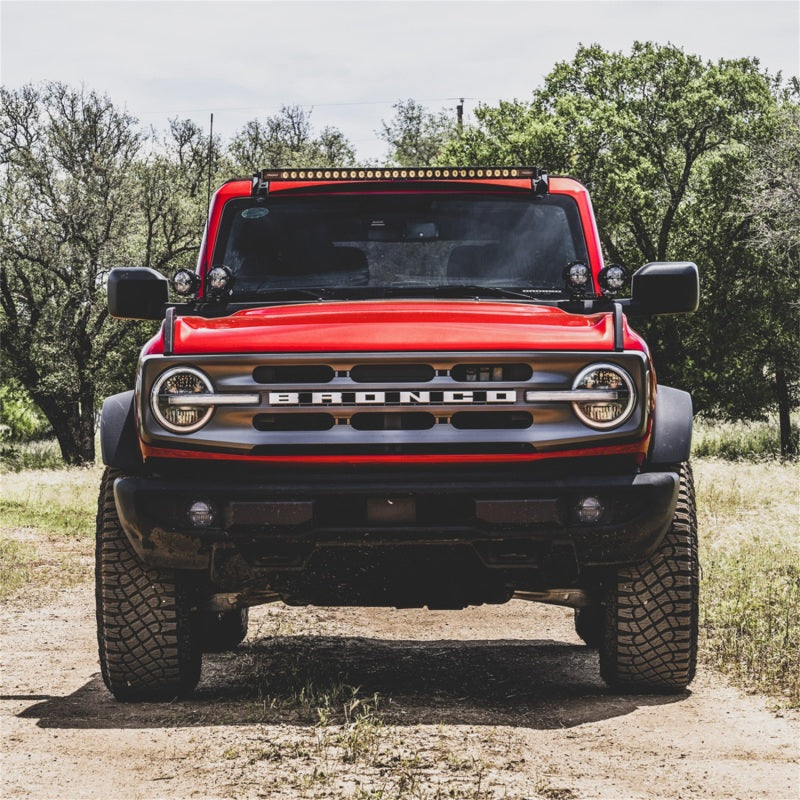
473 290
282 293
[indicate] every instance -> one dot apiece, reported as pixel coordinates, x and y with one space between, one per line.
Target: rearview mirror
665 287
137 293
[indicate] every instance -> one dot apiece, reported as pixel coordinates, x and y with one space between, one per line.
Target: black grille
491 372
402 421
294 373
491 420
294 422
392 373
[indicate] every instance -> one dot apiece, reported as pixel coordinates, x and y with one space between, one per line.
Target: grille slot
467 373
294 373
491 420
403 421
294 422
392 373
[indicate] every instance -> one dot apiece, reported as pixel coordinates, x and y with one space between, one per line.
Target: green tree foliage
772 216
79 194
20 420
287 139
66 198
417 137
663 140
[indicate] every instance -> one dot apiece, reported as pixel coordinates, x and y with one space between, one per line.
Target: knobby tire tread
651 630
146 618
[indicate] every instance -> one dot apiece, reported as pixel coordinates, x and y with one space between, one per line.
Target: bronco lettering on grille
401 398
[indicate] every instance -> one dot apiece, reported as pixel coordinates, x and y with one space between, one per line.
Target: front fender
119 442
672 430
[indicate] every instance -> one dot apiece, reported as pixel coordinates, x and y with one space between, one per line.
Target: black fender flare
119 442
671 442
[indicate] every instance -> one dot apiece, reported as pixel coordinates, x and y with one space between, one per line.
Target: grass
46 518
43 454
739 441
750 556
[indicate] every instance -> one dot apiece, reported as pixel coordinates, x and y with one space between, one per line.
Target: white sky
350 61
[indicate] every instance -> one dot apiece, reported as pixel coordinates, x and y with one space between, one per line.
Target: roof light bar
538 177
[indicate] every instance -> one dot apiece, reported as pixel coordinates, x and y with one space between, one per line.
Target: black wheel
147 628
223 630
651 619
589 624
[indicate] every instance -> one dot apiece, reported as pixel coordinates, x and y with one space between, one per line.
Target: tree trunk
69 427
788 445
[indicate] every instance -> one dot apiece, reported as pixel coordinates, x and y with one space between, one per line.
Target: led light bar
537 176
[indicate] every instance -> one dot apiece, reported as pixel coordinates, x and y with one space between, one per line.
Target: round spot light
612 279
219 282
578 278
185 282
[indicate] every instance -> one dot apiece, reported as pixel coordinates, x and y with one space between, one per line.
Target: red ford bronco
396 387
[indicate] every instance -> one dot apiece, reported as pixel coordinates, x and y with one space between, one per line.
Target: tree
171 194
66 199
662 139
772 218
287 139
417 137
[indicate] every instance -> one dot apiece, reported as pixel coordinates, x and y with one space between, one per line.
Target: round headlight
185 282
171 403
578 278
613 396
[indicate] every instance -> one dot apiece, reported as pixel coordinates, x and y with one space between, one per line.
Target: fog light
201 514
589 509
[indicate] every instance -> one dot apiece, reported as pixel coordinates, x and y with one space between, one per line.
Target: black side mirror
137 293
664 287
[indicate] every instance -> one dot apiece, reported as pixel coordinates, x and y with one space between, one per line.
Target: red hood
382 326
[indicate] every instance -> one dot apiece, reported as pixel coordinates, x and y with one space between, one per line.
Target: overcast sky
350 61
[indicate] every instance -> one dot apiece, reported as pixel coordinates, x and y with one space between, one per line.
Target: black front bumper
355 536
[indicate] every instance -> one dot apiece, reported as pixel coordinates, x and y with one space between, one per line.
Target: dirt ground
491 702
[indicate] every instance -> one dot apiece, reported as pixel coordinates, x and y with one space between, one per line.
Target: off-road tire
589 625
651 610
224 630
147 629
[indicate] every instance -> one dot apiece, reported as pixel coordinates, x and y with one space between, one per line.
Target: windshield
399 242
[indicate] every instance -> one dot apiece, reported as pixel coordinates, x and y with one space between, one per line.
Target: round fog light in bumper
588 509
201 514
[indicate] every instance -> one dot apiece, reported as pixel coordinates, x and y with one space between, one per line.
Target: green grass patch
751 617
15 457
47 521
739 441
15 565
750 590
60 501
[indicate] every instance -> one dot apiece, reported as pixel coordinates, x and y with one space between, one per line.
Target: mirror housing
137 293
664 287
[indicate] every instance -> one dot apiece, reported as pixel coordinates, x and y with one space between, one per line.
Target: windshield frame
568 201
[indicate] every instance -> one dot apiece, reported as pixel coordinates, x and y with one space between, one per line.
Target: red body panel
396 326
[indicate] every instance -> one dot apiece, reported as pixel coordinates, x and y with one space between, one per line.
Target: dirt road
493 702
